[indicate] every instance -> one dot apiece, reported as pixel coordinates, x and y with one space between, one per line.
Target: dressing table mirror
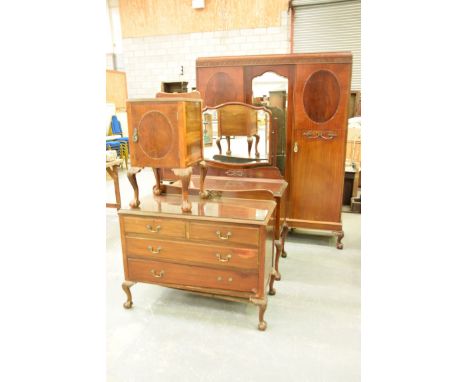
240 134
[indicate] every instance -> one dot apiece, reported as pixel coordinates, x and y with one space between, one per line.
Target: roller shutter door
328 26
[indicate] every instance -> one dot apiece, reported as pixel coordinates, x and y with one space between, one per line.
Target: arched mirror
239 133
271 91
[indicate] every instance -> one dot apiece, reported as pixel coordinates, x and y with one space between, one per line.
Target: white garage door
328 26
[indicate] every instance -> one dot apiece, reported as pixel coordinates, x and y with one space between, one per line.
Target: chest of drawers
223 248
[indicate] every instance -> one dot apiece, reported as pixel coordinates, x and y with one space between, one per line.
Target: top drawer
155 227
224 233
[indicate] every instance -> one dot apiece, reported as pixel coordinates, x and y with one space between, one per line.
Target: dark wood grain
318 97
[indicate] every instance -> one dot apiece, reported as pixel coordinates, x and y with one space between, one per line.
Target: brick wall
148 61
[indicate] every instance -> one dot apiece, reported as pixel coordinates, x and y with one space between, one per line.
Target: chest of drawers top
223 210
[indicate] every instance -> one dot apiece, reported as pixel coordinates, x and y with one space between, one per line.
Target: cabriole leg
257 139
249 144
262 305
157 187
218 143
131 175
126 285
339 236
184 175
203 172
277 256
284 234
228 139
272 291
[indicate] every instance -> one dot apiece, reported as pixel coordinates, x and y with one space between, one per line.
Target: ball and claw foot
262 325
278 276
339 236
186 206
156 191
128 304
284 254
272 292
135 203
204 195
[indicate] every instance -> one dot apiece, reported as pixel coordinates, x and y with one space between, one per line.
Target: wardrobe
318 92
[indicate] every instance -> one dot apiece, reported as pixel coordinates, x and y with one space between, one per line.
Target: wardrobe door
321 97
220 84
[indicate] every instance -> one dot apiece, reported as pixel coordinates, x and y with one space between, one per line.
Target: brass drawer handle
161 274
329 135
223 237
150 248
150 228
223 260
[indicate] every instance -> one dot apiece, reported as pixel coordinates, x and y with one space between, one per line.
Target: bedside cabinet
223 248
165 133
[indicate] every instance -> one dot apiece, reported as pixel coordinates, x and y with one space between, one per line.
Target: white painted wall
148 61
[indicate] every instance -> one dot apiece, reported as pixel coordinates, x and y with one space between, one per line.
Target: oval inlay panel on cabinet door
321 96
220 89
155 134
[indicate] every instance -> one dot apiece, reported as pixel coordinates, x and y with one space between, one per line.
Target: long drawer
192 252
158 272
224 233
155 227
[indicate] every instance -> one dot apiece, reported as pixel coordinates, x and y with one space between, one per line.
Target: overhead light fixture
198 4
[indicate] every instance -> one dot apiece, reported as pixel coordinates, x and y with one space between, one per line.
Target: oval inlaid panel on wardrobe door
220 89
321 96
156 135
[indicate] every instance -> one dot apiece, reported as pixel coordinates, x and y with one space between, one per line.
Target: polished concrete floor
313 329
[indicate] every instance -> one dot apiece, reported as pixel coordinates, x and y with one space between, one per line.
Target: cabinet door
318 176
220 84
154 134
318 146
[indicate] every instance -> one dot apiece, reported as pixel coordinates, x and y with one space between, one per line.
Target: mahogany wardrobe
315 129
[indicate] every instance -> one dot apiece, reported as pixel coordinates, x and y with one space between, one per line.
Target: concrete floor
313 329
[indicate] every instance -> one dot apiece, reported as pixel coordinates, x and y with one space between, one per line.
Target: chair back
116 126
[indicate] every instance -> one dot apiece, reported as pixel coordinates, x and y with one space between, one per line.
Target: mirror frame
272 133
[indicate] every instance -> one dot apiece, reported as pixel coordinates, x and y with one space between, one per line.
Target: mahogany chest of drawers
223 248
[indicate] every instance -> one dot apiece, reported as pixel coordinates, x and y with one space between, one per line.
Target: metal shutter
327 26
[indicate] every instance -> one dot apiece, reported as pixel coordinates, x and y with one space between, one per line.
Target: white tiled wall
148 61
